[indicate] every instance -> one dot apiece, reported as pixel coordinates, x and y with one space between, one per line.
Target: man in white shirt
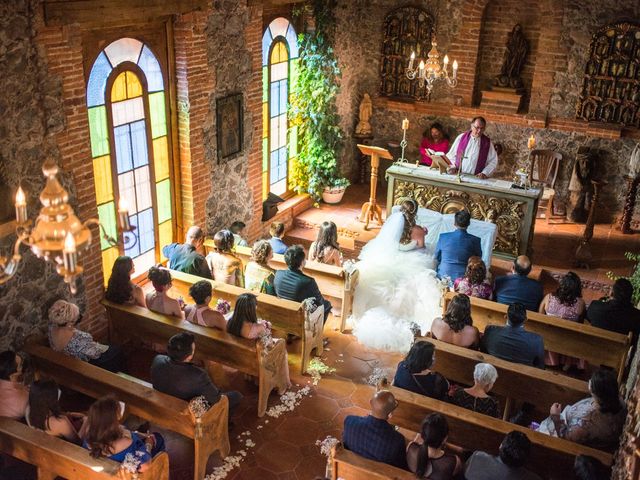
473 151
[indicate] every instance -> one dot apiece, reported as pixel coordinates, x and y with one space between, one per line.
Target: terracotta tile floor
285 446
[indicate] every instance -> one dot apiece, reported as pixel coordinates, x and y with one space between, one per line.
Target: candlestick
403 143
405 124
455 69
21 206
123 216
531 143
69 253
411 60
446 60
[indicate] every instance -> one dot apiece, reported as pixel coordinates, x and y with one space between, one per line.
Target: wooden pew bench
56 457
595 345
209 432
350 466
286 316
248 356
515 382
335 283
550 457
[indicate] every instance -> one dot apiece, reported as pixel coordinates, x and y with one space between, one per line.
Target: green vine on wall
313 106
634 278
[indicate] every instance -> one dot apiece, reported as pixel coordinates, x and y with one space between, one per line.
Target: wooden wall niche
406 30
611 86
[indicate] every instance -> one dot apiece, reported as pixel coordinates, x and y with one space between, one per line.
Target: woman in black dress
477 397
426 456
414 374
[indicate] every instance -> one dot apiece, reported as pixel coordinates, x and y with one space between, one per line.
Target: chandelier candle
69 253
531 143
21 206
123 215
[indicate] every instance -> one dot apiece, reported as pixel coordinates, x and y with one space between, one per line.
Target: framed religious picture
229 120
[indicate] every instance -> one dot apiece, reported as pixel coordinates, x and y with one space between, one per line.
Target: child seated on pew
44 412
104 436
237 228
159 301
201 313
245 323
326 248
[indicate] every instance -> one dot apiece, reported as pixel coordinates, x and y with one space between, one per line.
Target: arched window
130 149
279 139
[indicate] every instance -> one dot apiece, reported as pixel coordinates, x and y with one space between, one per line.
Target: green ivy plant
634 278
313 106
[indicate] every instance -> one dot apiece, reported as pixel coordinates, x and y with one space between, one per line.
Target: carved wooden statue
580 185
514 58
364 127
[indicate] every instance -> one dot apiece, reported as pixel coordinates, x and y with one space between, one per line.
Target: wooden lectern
370 210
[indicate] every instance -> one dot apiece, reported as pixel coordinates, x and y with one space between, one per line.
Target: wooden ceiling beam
92 13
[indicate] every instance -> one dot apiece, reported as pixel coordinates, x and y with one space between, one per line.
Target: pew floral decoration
326 447
199 406
443 285
223 306
132 463
378 375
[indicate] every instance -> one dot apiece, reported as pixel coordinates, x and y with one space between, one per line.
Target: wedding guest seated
225 266
414 372
454 248
426 454
66 338
507 465
44 412
457 326
159 300
174 374
475 282
596 421
326 249
258 275
237 228
245 323
566 303
616 314
201 313
512 342
276 230
292 284
373 437
586 467
477 397
433 139
120 288
517 287
185 257
14 394
104 436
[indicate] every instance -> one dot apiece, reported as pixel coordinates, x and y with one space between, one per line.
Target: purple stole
485 143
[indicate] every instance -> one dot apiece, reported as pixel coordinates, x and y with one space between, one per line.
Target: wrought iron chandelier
427 73
57 234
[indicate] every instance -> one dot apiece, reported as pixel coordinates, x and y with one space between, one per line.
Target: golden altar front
493 200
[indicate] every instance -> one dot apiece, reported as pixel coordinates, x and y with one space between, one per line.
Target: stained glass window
130 150
279 139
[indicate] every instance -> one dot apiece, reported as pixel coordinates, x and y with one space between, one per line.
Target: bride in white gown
397 286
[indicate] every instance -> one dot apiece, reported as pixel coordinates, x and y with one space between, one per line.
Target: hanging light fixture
58 235
427 73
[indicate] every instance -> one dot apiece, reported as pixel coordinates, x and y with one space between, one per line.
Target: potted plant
313 109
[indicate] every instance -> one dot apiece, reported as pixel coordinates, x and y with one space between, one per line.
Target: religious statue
514 57
364 127
579 186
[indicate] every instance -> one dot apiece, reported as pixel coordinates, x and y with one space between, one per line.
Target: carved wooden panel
611 87
406 30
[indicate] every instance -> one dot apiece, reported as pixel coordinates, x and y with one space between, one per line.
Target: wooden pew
285 315
350 466
550 457
56 457
335 282
515 382
595 345
248 356
209 432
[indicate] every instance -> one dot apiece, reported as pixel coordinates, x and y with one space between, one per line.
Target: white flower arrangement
199 406
309 304
288 402
132 463
378 375
327 444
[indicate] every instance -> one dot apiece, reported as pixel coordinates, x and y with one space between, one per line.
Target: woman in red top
434 139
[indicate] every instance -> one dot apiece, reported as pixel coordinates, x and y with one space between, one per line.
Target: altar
512 210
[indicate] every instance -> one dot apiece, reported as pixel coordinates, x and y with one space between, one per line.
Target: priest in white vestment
473 151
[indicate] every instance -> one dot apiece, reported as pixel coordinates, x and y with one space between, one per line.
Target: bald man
185 257
518 288
373 437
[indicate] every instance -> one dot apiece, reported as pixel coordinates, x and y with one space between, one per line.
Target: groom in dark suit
454 248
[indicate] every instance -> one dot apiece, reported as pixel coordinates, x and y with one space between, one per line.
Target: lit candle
21 206
455 68
421 73
123 215
446 60
411 60
405 124
69 253
531 143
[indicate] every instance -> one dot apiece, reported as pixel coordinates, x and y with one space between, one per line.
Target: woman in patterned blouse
475 282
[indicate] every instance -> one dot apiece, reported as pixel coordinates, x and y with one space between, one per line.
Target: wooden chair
351 466
55 457
543 172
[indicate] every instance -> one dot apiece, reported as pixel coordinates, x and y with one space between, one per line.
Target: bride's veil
387 241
